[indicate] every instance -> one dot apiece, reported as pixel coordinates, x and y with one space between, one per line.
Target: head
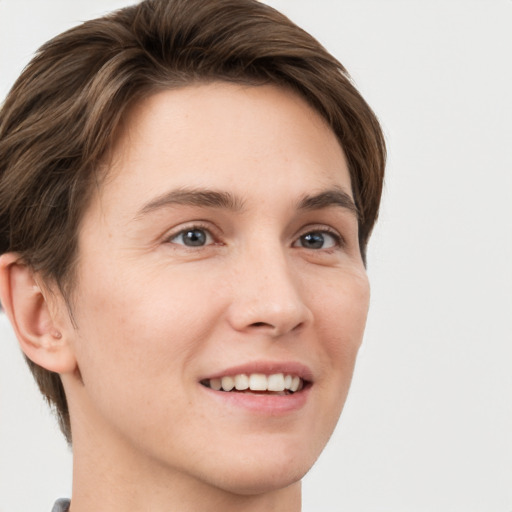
65 126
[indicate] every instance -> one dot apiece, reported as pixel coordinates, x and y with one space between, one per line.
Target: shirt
61 505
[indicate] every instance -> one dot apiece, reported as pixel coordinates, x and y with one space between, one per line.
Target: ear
40 326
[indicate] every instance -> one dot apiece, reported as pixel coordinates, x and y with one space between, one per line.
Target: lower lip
273 405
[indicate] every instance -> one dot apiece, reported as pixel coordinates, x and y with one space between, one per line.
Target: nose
267 296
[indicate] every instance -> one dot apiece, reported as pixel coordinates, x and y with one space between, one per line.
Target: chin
256 481
263 471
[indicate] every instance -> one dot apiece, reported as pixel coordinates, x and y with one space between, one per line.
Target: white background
428 424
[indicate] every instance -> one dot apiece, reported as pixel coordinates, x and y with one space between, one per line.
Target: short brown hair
63 113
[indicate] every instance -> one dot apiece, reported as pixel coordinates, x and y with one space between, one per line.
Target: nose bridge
266 294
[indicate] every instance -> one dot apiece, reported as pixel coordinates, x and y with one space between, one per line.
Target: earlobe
43 336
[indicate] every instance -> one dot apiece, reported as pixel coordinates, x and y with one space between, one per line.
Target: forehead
224 135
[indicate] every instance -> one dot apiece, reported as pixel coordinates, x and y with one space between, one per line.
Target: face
221 250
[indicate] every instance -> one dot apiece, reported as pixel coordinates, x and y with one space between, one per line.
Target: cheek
344 309
144 322
134 342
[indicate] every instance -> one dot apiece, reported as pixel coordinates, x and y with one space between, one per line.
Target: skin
154 316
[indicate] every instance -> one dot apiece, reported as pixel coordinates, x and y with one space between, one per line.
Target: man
187 191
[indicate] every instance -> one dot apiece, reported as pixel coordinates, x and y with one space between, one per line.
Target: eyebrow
332 197
207 198
193 197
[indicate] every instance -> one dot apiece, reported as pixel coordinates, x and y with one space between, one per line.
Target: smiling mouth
257 383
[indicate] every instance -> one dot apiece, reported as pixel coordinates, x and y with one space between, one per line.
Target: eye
192 237
318 240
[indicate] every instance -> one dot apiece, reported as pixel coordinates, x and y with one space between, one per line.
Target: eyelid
214 233
189 226
322 228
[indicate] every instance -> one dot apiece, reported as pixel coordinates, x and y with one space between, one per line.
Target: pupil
313 240
194 237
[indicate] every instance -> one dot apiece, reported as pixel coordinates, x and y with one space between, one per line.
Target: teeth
228 383
277 382
216 384
241 382
258 382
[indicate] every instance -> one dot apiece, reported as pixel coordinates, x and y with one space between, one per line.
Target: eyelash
188 229
339 241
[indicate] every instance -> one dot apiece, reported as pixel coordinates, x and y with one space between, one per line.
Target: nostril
277 330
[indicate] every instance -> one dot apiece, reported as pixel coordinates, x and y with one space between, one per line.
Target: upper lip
267 368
